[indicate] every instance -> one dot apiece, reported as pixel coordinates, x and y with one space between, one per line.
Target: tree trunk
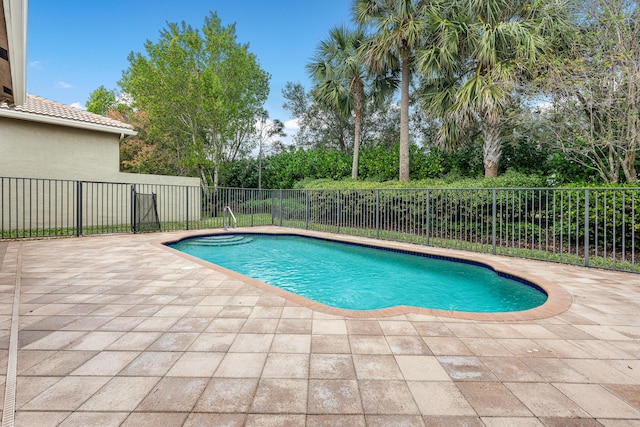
492 149
356 145
404 120
613 162
629 167
203 177
633 124
216 170
358 97
260 168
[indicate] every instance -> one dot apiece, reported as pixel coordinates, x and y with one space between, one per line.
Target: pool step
224 240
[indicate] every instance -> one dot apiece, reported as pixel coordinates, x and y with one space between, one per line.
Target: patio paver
118 330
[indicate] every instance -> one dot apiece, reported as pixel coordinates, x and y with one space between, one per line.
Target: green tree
322 126
201 91
338 73
138 153
397 33
266 130
101 101
319 125
342 81
595 90
481 53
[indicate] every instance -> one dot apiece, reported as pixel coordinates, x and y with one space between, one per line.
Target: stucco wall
39 155
37 150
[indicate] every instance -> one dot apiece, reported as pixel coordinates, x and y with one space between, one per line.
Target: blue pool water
363 278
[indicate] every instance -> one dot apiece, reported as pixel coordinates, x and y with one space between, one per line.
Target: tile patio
118 330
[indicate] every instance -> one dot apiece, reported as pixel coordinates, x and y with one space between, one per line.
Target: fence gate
144 212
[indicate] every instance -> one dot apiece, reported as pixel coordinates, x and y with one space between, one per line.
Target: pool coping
558 300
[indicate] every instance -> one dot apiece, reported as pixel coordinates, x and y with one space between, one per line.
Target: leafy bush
564 171
258 206
610 214
382 164
510 179
242 173
292 169
466 162
290 208
285 169
521 232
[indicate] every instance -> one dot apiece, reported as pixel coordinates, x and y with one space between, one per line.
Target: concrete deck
117 330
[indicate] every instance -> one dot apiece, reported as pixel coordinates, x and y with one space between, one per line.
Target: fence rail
595 227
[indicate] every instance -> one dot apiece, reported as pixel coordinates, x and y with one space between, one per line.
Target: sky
75 46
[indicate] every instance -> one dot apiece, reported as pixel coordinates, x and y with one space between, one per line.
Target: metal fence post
307 213
427 218
586 227
252 198
187 201
133 208
377 214
78 208
494 220
339 211
280 207
273 207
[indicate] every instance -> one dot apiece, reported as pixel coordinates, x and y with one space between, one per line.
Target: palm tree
339 75
482 52
398 31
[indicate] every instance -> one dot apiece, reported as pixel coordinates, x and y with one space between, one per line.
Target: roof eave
16 21
21 115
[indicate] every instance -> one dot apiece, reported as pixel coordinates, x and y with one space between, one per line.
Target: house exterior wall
37 150
48 161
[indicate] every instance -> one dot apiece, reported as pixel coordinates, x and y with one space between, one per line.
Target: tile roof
44 107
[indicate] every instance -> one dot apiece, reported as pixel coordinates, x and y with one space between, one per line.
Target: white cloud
259 124
78 105
291 125
63 85
36 64
291 128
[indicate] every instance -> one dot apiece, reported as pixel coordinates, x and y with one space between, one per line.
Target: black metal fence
32 207
592 227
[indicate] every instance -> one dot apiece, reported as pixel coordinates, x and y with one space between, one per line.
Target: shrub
510 179
609 214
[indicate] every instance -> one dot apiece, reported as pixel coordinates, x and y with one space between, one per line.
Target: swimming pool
358 277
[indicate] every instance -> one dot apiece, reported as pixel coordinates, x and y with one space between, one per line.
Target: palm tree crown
341 78
482 52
